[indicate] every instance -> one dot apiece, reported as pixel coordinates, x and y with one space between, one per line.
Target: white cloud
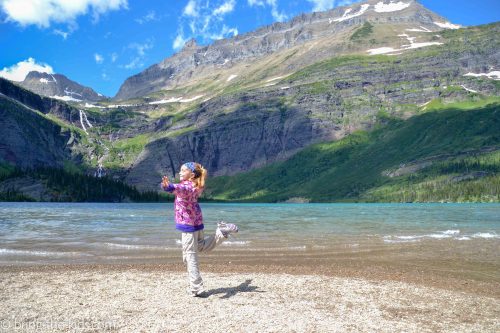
280 17
191 9
43 12
150 16
322 5
18 72
274 8
142 48
179 42
71 27
205 21
63 34
114 56
226 7
137 61
256 3
225 31
99 59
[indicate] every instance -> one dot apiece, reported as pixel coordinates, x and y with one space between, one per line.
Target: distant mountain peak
190 45
60 87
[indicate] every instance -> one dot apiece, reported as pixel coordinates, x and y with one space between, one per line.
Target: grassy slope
353 169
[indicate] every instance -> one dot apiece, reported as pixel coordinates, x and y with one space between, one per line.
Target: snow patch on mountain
176 100
114 106
165 101
187 100
348 16
421 29
447 25
495 75
66 98
381 50
410 39
69 92
88 105
412 45
471 90
381 7
419 45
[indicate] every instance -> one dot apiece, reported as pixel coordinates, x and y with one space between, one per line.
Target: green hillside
449 153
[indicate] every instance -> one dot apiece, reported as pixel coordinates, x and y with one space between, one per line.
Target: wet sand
393 289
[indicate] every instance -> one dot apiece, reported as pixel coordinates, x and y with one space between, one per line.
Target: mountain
265 117
279 100
326 30
28 137
59 87
42 144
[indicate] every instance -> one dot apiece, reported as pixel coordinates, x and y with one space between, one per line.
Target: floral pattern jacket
188 217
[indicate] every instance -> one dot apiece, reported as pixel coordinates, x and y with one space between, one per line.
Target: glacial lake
48 233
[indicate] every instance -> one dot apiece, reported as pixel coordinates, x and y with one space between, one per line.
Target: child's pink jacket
188 217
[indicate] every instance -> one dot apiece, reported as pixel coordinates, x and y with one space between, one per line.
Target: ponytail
200 174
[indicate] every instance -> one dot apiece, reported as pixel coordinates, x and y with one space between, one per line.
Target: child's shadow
245 287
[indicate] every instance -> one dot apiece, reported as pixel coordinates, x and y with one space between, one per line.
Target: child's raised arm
165 182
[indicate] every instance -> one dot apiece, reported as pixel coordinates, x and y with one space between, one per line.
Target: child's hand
165 181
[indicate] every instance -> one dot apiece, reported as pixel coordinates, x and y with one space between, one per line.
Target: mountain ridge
184 65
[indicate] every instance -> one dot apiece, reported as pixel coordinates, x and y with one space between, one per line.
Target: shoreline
251 297
473 278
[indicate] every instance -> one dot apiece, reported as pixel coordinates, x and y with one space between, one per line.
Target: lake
49 233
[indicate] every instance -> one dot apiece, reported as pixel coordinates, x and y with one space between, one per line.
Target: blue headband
190 165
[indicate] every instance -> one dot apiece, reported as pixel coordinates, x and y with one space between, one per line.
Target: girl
189 220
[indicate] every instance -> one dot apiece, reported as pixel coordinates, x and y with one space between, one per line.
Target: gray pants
192 243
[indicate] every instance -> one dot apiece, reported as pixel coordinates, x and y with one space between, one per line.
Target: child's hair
200 173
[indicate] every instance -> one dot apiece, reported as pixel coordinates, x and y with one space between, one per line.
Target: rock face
227 144
193 59
60 87
27 139
35 102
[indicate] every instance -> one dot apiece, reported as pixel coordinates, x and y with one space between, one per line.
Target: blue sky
100 43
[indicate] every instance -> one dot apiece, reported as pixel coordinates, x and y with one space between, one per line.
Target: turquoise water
90 232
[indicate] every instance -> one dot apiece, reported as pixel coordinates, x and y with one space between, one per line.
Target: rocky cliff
30 140
37 103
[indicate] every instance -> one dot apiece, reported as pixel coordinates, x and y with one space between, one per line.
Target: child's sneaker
227 228
201 293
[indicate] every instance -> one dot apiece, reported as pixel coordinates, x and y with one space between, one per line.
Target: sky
100 43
